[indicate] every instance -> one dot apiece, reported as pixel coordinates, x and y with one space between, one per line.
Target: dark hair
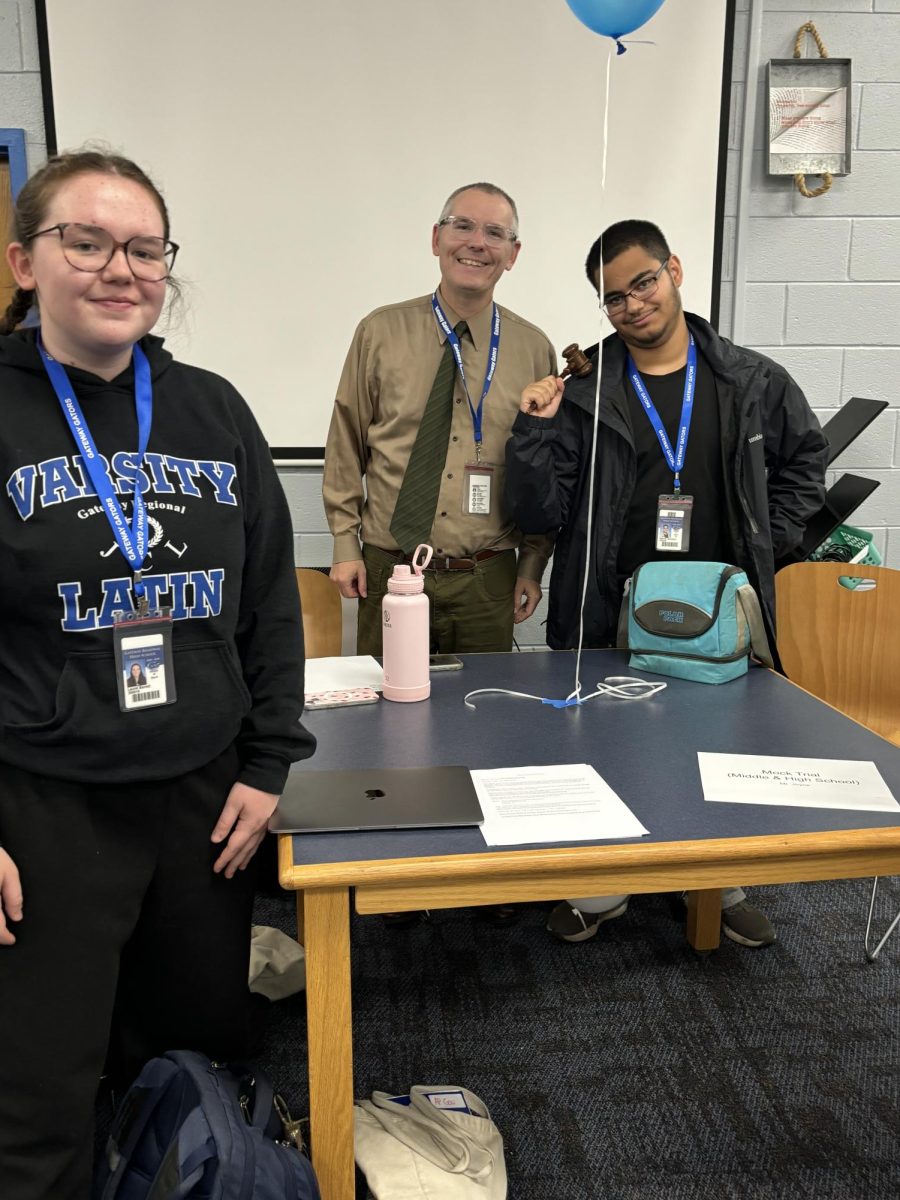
490 189
621 237
37 194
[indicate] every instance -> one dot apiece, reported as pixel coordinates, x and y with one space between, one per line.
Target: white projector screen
305 150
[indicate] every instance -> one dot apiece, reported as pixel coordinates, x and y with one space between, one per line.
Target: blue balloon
614 18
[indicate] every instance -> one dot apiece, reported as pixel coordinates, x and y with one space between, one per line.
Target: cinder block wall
823 280
20 79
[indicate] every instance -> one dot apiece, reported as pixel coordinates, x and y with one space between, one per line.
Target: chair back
322 615
843 643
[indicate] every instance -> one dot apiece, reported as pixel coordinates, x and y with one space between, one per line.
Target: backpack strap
622 632
177 1177
759 643
141 1102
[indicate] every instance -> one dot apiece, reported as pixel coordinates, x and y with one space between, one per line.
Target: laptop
376 798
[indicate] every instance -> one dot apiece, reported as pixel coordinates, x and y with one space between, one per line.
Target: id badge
477 497
673 523
143 655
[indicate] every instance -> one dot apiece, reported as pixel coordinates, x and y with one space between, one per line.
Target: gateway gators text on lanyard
673 511
142 661
479 475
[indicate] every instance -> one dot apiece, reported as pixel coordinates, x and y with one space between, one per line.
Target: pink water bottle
405 631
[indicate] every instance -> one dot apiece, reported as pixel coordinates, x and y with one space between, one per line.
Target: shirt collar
479 325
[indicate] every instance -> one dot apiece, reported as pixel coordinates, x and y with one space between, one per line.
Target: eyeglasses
87 248
463 227
642 290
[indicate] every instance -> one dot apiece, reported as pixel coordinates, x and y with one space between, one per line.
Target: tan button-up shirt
384 386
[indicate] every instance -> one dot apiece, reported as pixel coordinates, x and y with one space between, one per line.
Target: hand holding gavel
543 398
577 362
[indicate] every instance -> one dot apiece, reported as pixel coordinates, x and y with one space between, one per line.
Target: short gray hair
490 189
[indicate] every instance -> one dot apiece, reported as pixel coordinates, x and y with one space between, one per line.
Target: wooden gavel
577 362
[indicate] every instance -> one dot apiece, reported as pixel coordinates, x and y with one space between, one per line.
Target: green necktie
417 499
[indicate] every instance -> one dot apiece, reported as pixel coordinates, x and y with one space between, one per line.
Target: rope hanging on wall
800 178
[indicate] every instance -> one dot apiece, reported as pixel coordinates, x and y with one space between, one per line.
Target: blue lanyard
132 540
675 458
447 329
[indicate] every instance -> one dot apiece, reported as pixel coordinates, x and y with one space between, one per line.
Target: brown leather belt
442 563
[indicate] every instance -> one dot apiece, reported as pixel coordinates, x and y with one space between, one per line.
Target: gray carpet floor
628 1067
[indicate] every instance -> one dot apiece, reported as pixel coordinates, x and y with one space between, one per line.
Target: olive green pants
471 611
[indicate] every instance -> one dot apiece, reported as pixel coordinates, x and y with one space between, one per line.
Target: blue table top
645 750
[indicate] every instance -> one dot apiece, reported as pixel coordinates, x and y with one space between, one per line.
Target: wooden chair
843 645
322 615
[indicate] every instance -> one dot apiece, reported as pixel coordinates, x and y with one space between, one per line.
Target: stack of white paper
572 803
350 671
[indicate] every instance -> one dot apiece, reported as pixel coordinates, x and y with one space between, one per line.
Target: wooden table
646 751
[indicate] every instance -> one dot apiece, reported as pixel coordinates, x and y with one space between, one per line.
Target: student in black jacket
131 484
751 473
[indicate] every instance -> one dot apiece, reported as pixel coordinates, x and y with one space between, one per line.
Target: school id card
143 657
673 523
477 494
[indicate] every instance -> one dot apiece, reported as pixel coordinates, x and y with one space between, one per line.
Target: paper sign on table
798 782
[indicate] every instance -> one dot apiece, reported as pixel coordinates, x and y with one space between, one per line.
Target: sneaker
572 925
747 925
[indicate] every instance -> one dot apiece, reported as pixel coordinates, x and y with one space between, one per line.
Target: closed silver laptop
376 798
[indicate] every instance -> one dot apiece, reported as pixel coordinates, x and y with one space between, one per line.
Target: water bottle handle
419 567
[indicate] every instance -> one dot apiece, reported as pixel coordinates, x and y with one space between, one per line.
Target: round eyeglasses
88 248
463 227
642 290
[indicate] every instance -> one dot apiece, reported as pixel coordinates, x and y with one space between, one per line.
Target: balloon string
605 122
576 693
622 45
616 687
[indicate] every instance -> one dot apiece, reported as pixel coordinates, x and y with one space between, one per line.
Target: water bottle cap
404 583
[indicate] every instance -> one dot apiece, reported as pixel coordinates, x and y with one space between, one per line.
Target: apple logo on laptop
374 793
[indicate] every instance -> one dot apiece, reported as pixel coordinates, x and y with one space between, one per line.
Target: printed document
527 805
797 782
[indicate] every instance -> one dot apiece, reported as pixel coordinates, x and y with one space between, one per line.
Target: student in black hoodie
129 483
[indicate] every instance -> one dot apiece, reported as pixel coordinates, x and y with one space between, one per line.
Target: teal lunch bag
693 620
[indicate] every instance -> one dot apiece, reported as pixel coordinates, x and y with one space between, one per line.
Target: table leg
330 1037
704 918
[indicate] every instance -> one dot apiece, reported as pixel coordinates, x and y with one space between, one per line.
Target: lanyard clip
141 593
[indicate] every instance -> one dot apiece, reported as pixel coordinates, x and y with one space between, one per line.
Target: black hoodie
220 555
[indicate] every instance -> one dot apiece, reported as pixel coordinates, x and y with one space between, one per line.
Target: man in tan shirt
477 583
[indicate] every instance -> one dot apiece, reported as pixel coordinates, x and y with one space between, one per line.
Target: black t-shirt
700 478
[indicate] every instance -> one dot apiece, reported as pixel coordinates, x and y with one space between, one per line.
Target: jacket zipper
738 481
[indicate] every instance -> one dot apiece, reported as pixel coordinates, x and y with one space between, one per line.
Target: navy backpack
188 1127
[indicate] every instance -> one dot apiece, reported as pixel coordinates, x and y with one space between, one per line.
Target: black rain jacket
773 458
